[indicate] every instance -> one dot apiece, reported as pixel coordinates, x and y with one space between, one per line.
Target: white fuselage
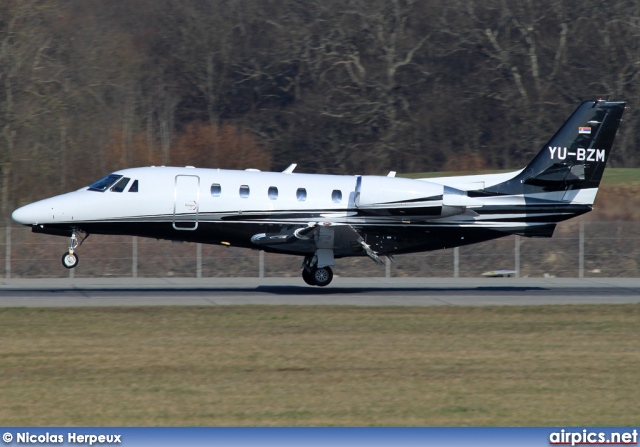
165 191
205 194
273 210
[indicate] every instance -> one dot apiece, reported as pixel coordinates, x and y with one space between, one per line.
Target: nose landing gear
70 259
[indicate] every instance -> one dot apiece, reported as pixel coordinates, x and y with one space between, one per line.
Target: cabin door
186 202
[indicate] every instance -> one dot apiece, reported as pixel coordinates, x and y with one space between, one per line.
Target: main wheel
70 260
323 276
308 277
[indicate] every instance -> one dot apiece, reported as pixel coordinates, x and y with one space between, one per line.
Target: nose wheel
70 259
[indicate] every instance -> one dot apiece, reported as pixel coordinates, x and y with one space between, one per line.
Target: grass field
621 176
288 366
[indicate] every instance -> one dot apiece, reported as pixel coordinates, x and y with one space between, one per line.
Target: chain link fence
578 249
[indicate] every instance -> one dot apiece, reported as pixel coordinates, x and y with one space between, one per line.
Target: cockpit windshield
121 185
105 183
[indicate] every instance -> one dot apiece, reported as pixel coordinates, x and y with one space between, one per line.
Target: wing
341 239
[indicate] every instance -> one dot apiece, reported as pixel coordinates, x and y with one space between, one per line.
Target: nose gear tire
70 260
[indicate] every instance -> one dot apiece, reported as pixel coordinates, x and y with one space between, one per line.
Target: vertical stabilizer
575 157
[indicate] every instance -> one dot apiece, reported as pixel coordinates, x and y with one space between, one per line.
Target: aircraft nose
58 209
28 215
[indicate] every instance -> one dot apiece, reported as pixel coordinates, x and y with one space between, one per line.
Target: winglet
391 174
290 169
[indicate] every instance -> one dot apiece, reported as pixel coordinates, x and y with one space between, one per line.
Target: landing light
226 244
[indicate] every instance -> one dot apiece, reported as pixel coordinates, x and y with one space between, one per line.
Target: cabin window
121 185
301 194
216 190
134 186
336 196
244 191
273 192
105 183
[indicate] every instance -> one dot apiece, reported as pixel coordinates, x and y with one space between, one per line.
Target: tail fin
575 157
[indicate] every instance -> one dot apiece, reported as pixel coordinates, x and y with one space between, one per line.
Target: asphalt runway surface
292 291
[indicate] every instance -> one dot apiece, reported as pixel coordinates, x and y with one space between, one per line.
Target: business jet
322 218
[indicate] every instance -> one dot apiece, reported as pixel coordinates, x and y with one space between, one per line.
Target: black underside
384 239
395 236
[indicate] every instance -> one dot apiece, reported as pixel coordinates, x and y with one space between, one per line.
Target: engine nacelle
404 197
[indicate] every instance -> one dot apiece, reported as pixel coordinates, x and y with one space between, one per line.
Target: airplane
322 218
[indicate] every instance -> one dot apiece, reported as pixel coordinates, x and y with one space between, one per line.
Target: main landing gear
70 258
316 276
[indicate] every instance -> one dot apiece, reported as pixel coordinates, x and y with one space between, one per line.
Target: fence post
456 262
198 260
7 259
517 256
261 264
581 250
134 257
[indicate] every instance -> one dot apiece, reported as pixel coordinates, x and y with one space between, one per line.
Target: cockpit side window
105 183
121 185
134 186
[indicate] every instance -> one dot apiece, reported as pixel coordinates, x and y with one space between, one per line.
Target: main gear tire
322 276
308 277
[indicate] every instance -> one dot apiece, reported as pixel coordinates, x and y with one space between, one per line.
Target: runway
292 291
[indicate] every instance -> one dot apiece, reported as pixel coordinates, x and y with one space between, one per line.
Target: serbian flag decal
584 130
